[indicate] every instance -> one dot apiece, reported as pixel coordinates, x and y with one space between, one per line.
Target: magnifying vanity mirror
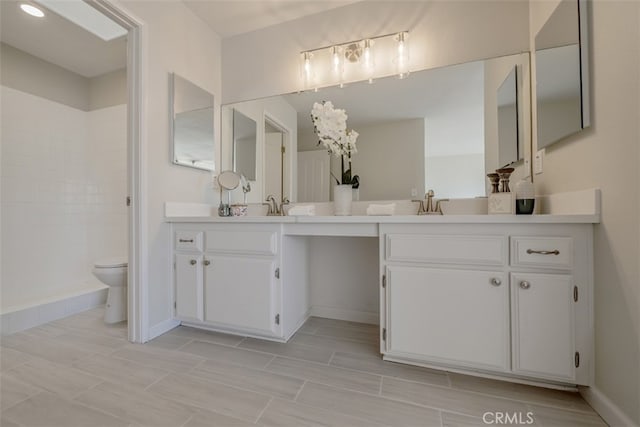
191 120
562 88
437 129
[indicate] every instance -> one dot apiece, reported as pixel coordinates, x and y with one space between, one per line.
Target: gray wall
27 73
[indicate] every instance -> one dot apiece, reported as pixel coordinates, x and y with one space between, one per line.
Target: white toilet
113 272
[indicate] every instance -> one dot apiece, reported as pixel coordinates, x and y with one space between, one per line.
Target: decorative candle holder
494 178
505 173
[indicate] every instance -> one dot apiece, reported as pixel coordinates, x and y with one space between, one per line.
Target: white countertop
397 219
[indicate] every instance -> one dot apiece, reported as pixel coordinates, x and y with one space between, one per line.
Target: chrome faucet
273 205
428 208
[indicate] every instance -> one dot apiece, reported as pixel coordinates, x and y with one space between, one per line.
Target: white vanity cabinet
227 277
512 299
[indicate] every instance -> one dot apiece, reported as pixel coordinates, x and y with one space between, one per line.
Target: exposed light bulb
367 59
307 69
402 55
32 10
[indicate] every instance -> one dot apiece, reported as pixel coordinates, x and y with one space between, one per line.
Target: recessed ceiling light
32 10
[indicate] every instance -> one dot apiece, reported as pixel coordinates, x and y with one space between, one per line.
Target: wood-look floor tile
375 365
139 407
174 361
523 392
555 417
223 399
203 335
13 390
256 380
297 351
54 350
372 408
15 340
93 325
237 356
55 378
337 344
136 375
335 323
168 342
448 399
7 423
10 358
326 374
93 343
450 419
202 418
370 335
46 409
281 413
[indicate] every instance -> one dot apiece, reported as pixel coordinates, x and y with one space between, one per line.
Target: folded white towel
302 210
388 209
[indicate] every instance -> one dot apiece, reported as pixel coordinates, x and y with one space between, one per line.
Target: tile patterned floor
80 372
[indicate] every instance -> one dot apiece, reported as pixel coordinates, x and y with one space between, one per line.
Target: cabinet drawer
242 242
549 252
188 240
447 249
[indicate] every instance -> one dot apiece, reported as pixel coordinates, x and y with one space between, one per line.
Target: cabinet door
240 292
189 303
543 328
458 317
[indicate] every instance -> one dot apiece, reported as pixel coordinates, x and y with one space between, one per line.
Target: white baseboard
39 313
162 327
344 314
608 410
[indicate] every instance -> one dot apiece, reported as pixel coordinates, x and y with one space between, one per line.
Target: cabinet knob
525 285
496 282
193 262
206 262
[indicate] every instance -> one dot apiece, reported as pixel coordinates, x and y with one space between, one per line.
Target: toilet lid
111 262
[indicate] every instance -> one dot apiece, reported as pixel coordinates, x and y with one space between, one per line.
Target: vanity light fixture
32 10
356 60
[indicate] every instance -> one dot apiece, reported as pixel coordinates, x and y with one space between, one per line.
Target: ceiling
232 17
59 41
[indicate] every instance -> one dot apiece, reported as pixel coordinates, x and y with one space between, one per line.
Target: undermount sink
475 206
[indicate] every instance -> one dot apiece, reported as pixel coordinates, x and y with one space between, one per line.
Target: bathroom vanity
498 295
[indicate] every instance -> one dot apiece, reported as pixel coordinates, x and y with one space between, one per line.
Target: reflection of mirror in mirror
436 129
508 150
229 180
244 145
192 124
561 84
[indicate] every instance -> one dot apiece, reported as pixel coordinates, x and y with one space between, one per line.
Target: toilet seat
118 262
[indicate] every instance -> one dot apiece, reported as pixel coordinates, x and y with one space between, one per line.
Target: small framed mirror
244 145
509 149
192 124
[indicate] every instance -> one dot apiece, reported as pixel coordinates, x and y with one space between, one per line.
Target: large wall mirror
562 84
192 124
437 129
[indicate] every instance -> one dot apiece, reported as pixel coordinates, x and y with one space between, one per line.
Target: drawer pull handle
193 262
185 240
496 282
206 262
525 285
554 252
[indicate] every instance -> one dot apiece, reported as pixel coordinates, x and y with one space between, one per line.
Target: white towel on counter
302 210
388 209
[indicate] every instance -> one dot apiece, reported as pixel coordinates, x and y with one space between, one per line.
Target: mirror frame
172 126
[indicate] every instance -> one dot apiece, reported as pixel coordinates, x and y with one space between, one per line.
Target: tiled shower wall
63 192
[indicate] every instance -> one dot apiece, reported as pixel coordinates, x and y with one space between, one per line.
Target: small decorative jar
525 197
239 210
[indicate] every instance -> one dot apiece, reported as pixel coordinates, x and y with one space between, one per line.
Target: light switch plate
538 162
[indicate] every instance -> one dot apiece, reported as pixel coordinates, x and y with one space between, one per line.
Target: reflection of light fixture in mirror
307 69
367 59
337 63
401 59
32 10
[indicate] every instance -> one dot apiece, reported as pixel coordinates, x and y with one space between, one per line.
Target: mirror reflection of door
244 145
274 155
313 176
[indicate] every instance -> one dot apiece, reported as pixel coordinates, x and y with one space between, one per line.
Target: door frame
138 301
288 163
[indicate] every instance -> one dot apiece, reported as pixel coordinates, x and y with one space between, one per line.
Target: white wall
607 156
63 187
174 40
